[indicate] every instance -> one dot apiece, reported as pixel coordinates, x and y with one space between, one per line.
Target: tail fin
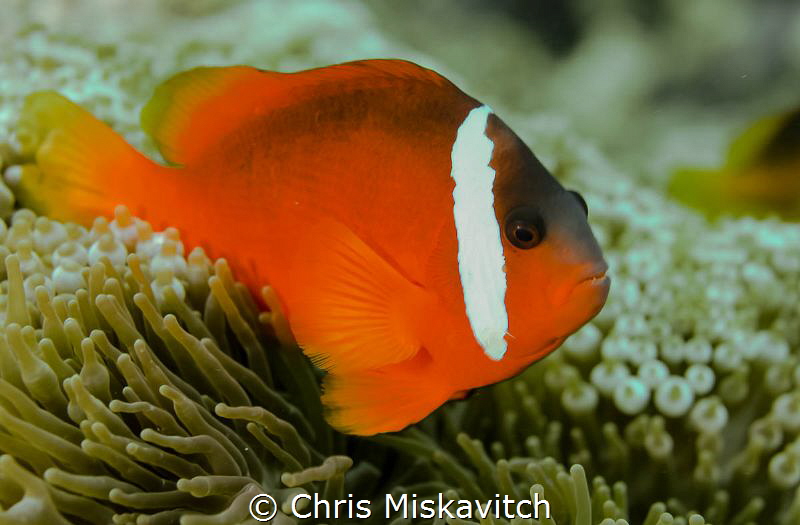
85 168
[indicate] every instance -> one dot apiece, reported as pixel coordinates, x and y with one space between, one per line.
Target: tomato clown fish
417 247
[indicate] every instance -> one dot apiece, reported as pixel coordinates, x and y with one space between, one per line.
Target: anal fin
384 400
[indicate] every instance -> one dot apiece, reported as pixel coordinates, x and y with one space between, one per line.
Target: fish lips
597 287
590 289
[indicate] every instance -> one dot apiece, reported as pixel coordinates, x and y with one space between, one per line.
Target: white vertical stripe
480 249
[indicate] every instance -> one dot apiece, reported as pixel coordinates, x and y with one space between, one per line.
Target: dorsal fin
196 108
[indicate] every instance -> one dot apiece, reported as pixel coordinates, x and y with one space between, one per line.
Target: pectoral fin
351 309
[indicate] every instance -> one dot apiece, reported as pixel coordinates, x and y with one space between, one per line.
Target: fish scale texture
138 385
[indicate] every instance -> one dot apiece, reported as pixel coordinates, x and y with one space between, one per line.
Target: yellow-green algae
138 386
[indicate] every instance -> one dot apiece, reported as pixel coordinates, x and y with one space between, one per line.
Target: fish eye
524 228
581 201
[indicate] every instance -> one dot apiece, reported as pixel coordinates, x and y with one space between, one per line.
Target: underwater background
137 384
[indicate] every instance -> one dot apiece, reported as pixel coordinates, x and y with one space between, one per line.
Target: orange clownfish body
416 245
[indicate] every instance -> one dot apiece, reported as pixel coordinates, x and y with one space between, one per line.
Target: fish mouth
594 282
596 279
596 286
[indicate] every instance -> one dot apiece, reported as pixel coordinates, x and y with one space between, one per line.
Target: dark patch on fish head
555 269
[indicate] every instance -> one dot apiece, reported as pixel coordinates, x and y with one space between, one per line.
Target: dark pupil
524 228
523 234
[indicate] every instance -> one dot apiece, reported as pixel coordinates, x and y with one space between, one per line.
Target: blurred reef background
137 385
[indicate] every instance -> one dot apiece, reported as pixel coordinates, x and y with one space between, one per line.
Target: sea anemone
139 385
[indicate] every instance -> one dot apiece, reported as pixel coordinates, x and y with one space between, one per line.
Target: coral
139 384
